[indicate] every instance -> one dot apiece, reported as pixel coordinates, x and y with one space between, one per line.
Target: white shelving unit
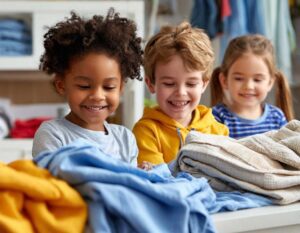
40 14
14 149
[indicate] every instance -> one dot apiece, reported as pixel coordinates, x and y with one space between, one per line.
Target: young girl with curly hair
90 60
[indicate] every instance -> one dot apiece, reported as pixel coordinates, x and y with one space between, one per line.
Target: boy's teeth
181 103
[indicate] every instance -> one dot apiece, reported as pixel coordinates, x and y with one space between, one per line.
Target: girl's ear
150 85
122 87
223 81
59 85
272 81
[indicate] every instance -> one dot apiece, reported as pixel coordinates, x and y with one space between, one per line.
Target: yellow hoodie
160 137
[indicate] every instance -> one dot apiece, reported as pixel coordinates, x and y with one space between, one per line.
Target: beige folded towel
266 163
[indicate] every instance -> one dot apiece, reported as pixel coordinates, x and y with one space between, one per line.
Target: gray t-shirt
119 142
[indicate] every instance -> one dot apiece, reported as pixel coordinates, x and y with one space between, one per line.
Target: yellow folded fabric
32 200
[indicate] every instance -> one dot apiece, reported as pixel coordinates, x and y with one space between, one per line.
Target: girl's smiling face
248 83
92 87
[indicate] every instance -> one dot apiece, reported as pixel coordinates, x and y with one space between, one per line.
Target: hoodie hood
202 113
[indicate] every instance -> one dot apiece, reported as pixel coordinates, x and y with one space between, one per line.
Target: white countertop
265 219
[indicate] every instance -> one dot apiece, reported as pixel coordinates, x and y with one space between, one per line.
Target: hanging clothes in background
226 19
15 38
246 18
205 15
295 17
281 32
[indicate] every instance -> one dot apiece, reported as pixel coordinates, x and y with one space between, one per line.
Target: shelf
42 14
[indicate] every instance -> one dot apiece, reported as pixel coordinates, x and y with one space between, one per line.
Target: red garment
225 9
26 128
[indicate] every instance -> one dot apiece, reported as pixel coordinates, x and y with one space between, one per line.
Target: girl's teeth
95 108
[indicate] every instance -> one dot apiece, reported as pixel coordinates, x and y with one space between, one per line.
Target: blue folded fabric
13 24
8 47
15 38
20 36
123 198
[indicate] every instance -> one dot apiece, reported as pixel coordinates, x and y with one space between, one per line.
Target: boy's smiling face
178 90
92 86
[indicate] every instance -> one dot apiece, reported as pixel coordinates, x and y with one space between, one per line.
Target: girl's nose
249 84
97 94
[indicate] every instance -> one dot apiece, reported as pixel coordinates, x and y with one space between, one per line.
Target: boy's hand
146 165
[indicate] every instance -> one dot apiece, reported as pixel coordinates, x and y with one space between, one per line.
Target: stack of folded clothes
15 38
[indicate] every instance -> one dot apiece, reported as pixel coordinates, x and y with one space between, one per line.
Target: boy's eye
191 84
168 84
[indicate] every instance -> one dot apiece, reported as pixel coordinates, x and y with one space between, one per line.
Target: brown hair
260 46
192 44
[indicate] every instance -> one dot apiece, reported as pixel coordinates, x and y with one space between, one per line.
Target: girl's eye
109 88
238 78
83 86
257 80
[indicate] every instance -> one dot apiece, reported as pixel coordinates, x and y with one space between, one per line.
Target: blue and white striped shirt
271 119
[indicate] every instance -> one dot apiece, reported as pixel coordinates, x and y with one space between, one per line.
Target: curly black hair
75 37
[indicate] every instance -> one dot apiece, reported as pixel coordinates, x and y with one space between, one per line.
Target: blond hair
191 44
259 46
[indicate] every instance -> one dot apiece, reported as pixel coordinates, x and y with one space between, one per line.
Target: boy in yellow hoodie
178 62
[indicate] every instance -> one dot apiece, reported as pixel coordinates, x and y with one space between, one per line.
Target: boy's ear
150 85
59 85
205 84
223 81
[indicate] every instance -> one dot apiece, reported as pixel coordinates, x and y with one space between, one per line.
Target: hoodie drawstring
180 137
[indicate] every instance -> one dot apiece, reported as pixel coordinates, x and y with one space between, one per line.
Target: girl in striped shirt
239 88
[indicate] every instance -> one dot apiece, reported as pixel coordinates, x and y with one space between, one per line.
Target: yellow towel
32 200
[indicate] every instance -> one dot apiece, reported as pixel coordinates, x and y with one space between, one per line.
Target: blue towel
123 198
